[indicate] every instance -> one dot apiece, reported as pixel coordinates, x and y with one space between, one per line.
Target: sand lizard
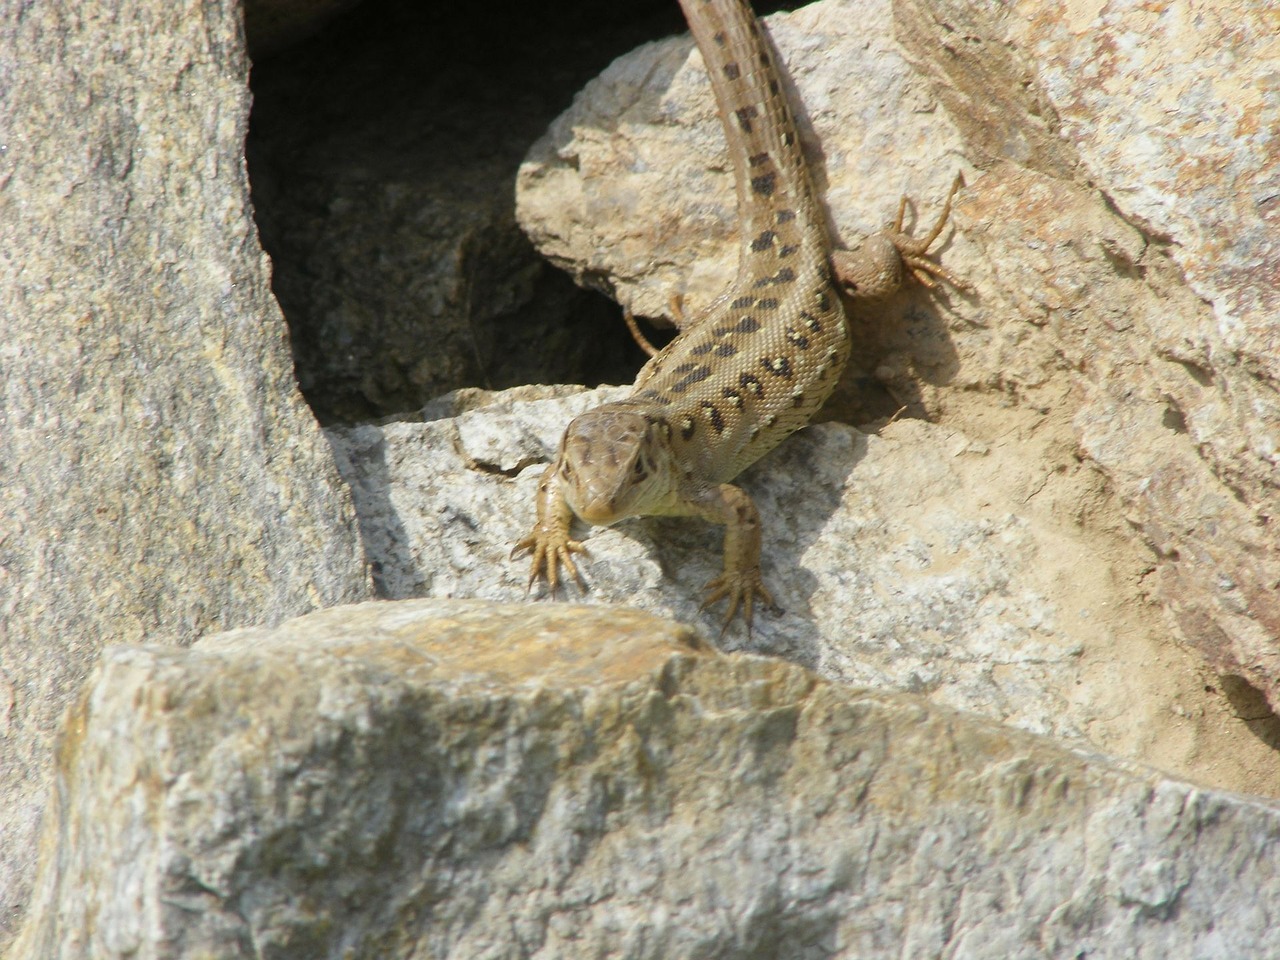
750 369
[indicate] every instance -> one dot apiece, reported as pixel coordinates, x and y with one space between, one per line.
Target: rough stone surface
948 574
1168 312
159 475
454 779
1116 235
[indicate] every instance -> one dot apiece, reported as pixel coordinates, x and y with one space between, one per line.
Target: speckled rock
918 559
159 474
453 779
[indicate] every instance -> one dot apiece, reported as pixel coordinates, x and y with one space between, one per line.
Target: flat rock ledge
439 778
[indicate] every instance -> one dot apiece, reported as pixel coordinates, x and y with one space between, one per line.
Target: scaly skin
748 371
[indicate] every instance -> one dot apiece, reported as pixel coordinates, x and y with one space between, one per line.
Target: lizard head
614 464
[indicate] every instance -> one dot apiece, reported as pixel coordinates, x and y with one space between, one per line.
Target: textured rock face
948 575
159 477
1116 227
1171 320
449 779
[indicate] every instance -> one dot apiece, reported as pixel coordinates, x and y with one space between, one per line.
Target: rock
949 574
453 778
159 476
1114 226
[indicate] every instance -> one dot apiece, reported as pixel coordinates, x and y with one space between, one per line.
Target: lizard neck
776 202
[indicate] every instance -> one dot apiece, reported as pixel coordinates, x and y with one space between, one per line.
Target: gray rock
916 559
444 778
159 475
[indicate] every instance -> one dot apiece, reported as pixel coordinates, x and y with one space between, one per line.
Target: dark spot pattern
751 384
798 338
696 375
733 396
719 38
778 366
764 241
788 249
687 427
745 115
768 303
747 324
703 348
732 71
810 321
725 350
742 303
764 185
786 216
758 158
717 421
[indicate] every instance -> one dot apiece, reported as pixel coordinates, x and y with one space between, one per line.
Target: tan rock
1117 237
918 559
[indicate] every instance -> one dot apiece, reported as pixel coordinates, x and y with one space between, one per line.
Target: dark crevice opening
382 157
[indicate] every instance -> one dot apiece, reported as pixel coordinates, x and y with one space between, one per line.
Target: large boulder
951 573
159 476
461 779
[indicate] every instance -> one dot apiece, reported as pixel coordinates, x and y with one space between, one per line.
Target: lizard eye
639 470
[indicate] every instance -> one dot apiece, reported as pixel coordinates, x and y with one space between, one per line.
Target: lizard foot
550 549
915 251
878 267
742 587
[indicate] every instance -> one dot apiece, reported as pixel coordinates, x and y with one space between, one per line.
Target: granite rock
461 779
947 573
159 475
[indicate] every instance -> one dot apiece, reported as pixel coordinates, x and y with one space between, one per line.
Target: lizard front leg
741 582
549 539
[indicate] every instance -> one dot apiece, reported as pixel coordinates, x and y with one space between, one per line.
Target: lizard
751 368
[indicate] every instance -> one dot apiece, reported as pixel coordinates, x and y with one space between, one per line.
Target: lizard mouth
601 513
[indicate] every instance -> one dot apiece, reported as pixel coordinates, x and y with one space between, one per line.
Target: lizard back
760 361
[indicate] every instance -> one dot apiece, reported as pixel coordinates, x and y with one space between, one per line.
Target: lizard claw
915 250
882 263
550 549
742 587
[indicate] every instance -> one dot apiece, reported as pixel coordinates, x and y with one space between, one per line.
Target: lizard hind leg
880 266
